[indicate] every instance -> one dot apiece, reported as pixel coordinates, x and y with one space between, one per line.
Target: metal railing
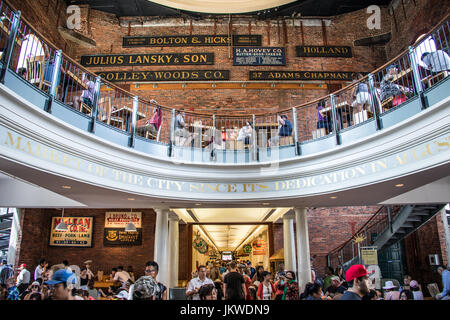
381 220
367 98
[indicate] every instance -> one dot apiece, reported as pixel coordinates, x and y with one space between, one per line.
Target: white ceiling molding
222 7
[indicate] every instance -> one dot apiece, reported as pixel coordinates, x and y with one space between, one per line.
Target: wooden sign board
191 41
78 234
115 224
301 75
177 75
259 56
324 51
151 59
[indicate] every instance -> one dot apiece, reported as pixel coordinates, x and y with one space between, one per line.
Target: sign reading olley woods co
57 160
149 59
259 56
301 75
168 75
78 234
115 224
191 41
324 51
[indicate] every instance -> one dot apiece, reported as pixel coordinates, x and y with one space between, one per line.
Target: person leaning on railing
436 61
390 89
284 130
181 132
87 96
322 119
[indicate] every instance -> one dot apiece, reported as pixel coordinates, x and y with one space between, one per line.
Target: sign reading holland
191 41
324 51
259 56
151 59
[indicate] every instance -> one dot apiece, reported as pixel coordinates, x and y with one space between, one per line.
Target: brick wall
412 19
105 30
327 229
46 17
420 244
35 240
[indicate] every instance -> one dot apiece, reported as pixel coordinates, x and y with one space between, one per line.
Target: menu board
115 224
78 234
259 56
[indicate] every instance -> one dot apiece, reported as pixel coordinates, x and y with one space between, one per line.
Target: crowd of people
235 280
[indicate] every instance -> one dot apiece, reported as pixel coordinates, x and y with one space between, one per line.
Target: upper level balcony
390 123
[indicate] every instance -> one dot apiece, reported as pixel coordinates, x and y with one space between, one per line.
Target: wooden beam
231 85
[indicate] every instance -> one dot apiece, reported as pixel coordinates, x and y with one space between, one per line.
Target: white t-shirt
267 292
196 283
23 277
122 276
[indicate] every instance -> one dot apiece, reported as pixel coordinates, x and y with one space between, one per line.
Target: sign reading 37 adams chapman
301 75
151 59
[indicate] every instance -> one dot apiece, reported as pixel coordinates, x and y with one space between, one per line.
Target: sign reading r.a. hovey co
115 224
78 234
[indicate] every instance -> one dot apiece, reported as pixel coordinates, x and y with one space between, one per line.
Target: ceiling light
130 227
66 187
399 185
198 204
131 199
265 203
61 226
333 197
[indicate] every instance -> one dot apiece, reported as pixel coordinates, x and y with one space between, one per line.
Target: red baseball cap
23 265
356 271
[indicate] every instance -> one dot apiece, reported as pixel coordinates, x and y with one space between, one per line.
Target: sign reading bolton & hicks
259 56
115 224
78 234
324 51
191 41
183 75
151 59
301 75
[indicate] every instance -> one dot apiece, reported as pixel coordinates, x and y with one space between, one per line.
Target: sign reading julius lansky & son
191 41
151 59
301 75
169 75
259 56
115 224
324 51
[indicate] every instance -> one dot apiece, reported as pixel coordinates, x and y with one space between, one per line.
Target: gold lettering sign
182 75
78 234
191 41
301 75
324 51
33 149
157 59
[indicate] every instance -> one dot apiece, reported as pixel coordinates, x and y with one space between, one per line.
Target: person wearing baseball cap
357 277
62 283
23 279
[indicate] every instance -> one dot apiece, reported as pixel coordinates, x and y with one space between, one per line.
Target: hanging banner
78 234
191 41
259 56
168 75
301 75
324 51
115 224
151 59
369 256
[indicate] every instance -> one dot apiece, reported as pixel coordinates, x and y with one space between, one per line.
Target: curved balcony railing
220 138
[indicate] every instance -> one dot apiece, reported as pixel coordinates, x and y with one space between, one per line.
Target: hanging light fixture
130 227
61 226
